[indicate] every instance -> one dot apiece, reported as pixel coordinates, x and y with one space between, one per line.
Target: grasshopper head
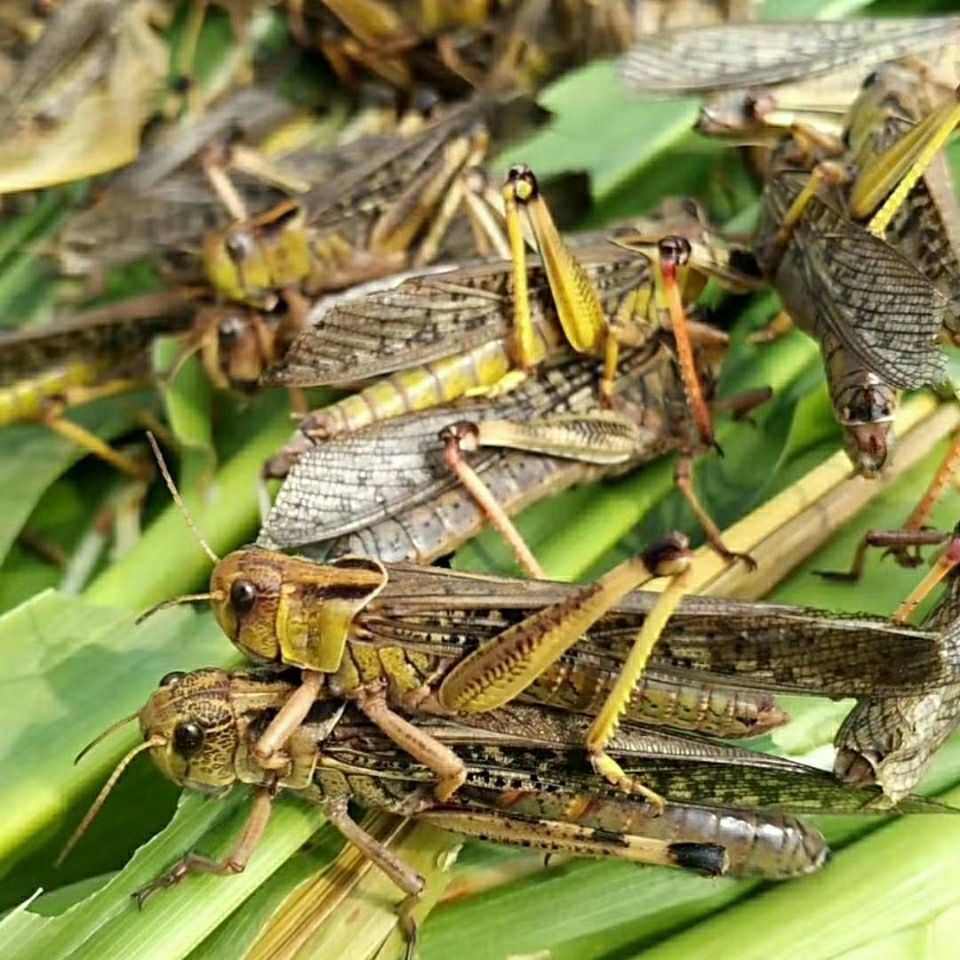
246 587
867 422
281 609
249 262
191 720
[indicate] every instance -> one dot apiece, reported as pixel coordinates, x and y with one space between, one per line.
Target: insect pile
457 339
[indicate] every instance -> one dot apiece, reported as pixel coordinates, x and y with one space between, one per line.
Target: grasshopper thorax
281 609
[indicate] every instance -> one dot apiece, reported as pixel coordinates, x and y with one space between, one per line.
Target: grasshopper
403 501
163 202
836 281
367 630
384 214
105 351
731 810
78 99
95 354
882 305
890 742
468 330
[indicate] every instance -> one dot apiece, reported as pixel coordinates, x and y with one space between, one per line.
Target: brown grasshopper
866 303
163 203
730 811
882 305
77 101
546 435
366 630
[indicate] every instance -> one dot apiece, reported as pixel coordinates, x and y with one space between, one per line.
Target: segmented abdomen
418 388
772 846
704 709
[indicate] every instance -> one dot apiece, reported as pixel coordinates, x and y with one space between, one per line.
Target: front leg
236 860
448 767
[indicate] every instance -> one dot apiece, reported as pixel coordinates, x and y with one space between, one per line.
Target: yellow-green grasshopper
388 211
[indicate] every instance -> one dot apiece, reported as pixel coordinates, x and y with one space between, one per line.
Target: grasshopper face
868 430
280 609
191 717
250 262
246 588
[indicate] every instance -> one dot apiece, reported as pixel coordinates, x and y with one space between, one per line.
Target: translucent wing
353 480
876 303
760 54
869 296
428 317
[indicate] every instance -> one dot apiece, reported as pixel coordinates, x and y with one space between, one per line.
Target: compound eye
171 679
675 250
239 247
243 595
187 738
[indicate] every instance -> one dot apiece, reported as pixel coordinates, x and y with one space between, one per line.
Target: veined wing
121 330
873 300
434 315
683 768
866 293
353 480
368 188
761 54
772 647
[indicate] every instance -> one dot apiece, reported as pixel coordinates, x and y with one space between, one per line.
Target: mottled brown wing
873 300
423 319
681 768
434 315
760 54
772 647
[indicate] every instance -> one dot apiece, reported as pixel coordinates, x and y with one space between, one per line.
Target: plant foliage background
72 660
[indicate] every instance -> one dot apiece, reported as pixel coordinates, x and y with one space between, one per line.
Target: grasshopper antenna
177 499
195 530
100 737
83 826
174 602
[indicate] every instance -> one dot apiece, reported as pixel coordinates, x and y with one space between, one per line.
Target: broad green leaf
32 457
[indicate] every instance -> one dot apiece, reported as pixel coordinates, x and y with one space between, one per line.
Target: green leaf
32 457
